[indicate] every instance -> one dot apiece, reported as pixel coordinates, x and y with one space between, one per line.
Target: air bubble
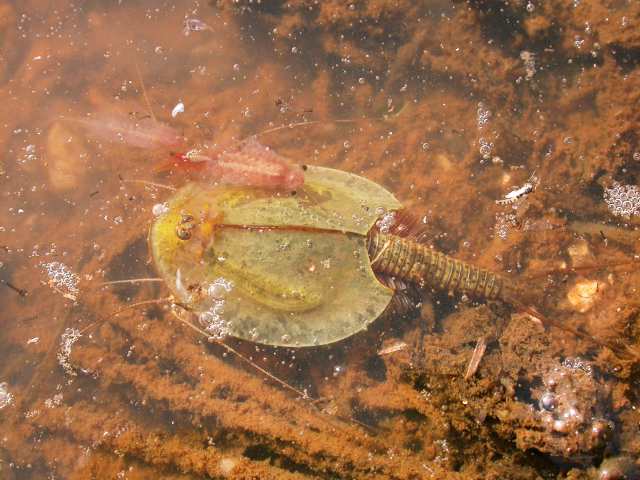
623 200
160 209
6 397
219 288
61 278
67 339
483 116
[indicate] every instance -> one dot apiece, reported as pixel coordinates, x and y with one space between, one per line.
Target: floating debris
179 108
67 339
396 347
520 192
194 25
62 279
6 397
623 200
476 357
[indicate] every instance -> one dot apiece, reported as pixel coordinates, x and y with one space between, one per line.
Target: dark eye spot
305 168
293 193
183 233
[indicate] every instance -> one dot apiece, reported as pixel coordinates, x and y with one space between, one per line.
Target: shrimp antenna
144 90
156 301
235 352
132 280
151 184
50 351
306 123
579 268
271 376
618 349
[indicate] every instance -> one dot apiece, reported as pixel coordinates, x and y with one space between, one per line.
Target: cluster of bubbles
29 154
67 339
486 147
623 200
6 398
562 407
61 277
160 209
529 59
386 222
483 115
505 221
211 319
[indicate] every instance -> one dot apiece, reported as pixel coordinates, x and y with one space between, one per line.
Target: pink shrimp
247 163
146 133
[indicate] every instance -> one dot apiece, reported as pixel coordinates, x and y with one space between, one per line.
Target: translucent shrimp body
252 164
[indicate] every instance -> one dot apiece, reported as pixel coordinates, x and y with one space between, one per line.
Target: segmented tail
410 261
417 263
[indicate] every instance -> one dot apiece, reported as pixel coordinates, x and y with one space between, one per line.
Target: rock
66 157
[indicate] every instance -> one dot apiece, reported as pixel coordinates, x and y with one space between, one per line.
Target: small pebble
584 294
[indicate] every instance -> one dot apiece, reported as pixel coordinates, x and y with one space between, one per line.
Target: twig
478 353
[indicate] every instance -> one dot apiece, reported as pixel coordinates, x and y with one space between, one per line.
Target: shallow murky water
509 130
